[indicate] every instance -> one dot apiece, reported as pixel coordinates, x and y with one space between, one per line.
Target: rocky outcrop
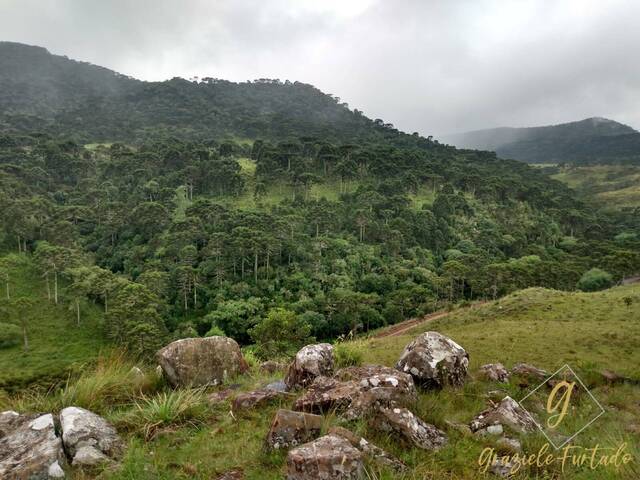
256 398
370 450
356 391
310 362
88 438
507 413
494 372
410 427
201 361
29 447
328 458
434 361
290 429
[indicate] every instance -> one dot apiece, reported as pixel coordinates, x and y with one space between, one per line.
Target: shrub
282 333
10 335
347 355
594 280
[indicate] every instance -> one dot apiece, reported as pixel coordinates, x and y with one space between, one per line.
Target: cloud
427 66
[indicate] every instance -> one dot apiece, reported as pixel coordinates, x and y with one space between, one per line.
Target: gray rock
357 391
434 361
529 373
370 450
201 361
29 447
249 400
510 444
289 429
310 362
277 386
89 456
328 458
82 428
502 468
494 372
508 412
55 470
409 426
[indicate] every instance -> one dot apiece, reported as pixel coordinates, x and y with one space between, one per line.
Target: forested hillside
268 211
591 141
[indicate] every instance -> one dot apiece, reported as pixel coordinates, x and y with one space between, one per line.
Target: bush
594 280
347 355
10 335
281 334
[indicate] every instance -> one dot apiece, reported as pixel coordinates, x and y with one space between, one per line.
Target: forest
277 242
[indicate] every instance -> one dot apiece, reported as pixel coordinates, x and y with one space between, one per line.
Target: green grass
174 435
56 344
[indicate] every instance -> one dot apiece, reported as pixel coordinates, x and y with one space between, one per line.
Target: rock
507 412
412 428
89 456
510 444
356 391
235 474
502 467
370 450
491 430
529 373
201 361
271 366
82 428
55 470
494 372
311 362
328 458
249 400
434 361
289 429
277 386
216 398
29 447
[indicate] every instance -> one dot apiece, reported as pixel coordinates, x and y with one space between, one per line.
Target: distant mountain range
591 141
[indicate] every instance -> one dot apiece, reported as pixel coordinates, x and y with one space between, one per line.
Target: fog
432 67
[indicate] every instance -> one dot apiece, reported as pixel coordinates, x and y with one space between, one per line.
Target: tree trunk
48 287
55 286
255 266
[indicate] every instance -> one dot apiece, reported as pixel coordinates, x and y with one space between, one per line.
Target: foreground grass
56 344
177 435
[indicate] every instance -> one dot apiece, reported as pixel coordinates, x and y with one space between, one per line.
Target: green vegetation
56 344
174 434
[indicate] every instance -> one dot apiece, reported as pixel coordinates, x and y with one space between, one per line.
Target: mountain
41 91
591 141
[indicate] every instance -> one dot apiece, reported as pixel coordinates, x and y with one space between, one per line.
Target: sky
434 67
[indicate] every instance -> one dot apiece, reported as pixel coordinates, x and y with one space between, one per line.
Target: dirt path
403 327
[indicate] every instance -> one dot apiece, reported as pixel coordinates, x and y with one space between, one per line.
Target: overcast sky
428 66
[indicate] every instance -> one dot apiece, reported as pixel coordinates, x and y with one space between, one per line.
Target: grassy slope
548 328
617 186
56 343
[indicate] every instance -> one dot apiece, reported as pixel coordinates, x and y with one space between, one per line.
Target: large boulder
328 458
408 425
29 447
310 362
371 451
356 391
88 438
507 413
434 361
289 429
201 361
